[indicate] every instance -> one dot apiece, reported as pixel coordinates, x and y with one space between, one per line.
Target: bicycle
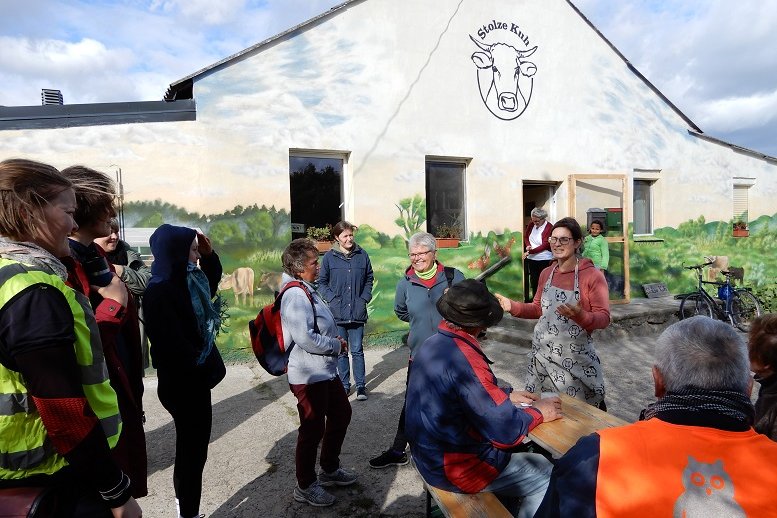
737 306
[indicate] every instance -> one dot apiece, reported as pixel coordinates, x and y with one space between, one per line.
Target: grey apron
563 358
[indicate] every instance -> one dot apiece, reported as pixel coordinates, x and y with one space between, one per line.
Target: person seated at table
462 427
694 451
763 362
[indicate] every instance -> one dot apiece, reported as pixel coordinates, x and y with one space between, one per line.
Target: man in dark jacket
462 427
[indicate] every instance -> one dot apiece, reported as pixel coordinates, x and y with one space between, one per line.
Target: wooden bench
460 505
580 419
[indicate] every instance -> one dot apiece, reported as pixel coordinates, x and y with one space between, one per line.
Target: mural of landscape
254 237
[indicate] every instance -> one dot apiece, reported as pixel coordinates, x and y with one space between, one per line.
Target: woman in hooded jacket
182 321
571 302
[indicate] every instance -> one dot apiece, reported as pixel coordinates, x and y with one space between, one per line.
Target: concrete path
250 469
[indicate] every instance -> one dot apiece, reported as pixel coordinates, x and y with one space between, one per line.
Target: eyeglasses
563 240
419 254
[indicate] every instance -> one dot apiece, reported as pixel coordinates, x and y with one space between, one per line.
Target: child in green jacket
595 246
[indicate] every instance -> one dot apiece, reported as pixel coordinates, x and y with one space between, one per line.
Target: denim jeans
526 477
353 334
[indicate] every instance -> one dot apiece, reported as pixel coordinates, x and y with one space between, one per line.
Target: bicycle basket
724 292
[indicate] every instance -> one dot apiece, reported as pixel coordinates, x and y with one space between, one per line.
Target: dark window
445 196
316 192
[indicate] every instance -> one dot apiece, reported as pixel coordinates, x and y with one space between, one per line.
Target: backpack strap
450 271
298 284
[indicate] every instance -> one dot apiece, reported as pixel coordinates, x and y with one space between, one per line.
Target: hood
170 246
585 263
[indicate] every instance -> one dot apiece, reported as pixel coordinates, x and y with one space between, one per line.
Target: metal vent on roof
48 96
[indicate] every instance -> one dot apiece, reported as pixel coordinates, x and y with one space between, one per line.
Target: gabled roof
183 88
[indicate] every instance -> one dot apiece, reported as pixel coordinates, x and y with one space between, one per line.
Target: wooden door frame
573 178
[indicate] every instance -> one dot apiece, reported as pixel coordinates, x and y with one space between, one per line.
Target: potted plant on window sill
322 237
740 229
447 235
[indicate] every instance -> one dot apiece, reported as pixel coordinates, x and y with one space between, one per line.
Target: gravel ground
250 468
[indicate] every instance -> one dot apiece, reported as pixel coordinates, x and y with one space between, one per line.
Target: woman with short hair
536 250
415 301
310 331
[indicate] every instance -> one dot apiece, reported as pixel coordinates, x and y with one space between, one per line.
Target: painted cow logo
505 78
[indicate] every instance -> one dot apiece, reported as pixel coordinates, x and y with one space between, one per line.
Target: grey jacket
416 304
314 355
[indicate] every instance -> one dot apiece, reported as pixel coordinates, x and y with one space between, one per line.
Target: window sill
647 239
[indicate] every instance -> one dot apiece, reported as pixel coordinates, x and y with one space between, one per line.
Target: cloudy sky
714 59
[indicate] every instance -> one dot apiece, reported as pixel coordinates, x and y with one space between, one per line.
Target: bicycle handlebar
697 266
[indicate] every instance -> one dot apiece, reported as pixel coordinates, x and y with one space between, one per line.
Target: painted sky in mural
134 50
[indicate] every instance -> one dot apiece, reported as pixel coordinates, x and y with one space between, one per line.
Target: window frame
650 183
463 162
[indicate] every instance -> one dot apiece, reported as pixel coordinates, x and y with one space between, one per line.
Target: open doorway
536 195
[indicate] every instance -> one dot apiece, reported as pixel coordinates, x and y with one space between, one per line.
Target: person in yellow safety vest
694 451
58 413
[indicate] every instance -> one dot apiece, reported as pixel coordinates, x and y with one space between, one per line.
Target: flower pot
323 246
741 233
447 242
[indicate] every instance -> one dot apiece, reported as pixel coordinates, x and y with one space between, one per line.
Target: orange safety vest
654 468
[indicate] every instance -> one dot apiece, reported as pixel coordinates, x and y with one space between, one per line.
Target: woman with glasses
424 282
573 301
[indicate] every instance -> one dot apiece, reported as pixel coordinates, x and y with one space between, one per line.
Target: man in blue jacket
462 427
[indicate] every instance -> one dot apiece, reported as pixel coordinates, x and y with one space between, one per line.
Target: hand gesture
523 398
203 243
570 311
115 290
550 408
503 301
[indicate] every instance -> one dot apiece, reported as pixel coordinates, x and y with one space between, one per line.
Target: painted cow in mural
504 65
241 281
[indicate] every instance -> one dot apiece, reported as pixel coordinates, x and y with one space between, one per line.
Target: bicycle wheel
694 304
744 309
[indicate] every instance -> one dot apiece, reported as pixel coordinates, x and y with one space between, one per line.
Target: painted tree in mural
412 214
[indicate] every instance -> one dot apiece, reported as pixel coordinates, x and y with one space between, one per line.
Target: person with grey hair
694 451
536 249
423 283
310 332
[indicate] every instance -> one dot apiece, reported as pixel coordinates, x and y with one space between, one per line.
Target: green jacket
597 250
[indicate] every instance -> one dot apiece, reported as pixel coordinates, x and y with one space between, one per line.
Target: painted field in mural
250 241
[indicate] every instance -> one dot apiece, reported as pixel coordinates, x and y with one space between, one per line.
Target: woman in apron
573 301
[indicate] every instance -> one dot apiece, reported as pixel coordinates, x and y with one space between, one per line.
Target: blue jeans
353 334
526 477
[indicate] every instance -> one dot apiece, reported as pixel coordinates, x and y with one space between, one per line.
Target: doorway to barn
540 195
316 189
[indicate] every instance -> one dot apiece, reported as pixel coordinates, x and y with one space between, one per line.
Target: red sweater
594 296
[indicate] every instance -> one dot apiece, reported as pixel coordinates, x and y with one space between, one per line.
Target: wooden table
580 419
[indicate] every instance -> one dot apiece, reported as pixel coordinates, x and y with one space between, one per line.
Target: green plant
448 231
320 233
412 214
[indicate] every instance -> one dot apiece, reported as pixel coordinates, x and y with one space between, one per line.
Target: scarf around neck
29 253
728 403
209 313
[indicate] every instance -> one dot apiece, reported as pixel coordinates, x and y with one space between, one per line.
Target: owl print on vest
709 491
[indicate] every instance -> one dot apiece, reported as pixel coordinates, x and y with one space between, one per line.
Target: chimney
48 96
